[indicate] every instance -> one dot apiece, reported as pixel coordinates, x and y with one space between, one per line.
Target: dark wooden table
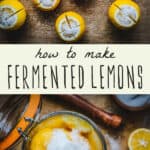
39 27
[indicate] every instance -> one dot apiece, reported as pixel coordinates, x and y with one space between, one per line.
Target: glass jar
17 113
51 121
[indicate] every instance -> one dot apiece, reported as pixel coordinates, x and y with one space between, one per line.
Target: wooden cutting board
116 138
39 27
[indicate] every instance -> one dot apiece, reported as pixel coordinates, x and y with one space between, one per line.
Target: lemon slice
46 5
139 140
12 14
70 26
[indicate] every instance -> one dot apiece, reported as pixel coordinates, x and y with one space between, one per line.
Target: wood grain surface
116 138
39 26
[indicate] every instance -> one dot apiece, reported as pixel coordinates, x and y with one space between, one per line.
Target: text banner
74 69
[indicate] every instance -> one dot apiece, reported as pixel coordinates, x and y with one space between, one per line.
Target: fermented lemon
46 5
70 26
124 14
12 14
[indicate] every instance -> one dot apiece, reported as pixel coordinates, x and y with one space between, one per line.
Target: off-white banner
74 69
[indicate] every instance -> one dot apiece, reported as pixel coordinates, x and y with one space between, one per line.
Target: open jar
64 130
16 115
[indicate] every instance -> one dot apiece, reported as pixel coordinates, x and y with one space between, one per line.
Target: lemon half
12 14
124 14
46 5
70 26
139 140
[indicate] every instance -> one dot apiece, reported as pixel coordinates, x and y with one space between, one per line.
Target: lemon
12 14
46 5
41 139
74 122
139 140
70 26
124 14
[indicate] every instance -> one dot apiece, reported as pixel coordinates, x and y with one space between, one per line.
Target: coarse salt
47 2
5 20
61 141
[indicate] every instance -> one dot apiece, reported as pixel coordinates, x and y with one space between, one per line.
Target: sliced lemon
139 140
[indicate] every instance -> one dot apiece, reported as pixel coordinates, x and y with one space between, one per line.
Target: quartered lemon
70 26
139 140
12 14
124 14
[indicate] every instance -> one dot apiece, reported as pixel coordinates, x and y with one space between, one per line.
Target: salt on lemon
63 132
46 5
72 141
124 14
70 26
12 14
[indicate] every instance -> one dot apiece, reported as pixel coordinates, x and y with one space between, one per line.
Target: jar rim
30 111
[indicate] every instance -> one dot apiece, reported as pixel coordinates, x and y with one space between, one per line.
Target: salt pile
62 140
47 2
